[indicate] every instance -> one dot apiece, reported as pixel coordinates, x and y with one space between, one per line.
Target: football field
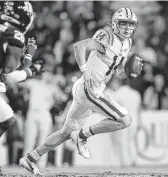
89 172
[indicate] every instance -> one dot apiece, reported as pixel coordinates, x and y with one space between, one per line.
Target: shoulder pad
102 36
14 37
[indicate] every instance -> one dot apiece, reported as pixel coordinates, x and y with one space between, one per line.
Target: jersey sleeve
128 50
14 37
102 39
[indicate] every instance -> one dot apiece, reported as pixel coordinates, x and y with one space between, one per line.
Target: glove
37 68
133 66
31 47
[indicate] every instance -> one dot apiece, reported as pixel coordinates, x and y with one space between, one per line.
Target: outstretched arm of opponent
14 54
29 52
21 75
27 69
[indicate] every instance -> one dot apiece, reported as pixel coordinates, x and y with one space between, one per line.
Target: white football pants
84 103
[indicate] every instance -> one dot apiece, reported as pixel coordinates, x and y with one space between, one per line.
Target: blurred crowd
42 101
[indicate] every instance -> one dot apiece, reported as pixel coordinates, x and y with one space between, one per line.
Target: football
133 66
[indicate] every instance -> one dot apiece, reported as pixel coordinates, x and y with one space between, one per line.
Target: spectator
154 95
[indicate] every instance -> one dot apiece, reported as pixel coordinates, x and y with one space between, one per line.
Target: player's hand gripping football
133 66
31 46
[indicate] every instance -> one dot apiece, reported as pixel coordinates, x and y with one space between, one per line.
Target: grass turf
89 172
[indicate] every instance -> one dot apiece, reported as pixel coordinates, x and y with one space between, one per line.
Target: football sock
86 133
34 156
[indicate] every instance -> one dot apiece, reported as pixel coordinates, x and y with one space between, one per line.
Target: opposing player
16 18
99 58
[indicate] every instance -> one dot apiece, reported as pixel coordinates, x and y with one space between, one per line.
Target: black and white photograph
84 88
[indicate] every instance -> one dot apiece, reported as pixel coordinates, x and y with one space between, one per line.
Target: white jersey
108 58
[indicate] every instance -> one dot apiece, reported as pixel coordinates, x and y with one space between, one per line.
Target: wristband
83 67
28 56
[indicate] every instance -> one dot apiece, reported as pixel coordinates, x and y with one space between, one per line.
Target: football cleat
29 166
81 144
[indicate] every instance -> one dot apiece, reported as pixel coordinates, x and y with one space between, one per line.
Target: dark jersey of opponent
11 47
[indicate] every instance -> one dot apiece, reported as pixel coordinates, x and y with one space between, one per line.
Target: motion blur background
41 103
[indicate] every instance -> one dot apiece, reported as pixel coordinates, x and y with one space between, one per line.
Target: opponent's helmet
18 13
124 15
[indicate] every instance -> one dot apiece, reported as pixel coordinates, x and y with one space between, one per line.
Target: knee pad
7 124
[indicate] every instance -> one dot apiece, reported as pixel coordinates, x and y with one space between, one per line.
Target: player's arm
27 69
21 75
30 50
120 71
132 65
13 55
81 50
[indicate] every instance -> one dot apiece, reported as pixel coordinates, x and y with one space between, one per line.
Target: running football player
15 20
99 59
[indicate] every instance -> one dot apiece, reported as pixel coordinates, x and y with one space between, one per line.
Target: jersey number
19 36
114 66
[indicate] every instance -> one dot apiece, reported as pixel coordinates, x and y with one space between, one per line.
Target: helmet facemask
126 29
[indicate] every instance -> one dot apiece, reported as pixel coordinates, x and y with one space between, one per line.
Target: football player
16 19
99 59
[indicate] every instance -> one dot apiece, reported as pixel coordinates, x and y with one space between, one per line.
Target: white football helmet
124 15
